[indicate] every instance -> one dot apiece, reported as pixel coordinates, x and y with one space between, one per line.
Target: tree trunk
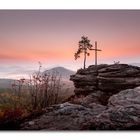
84 59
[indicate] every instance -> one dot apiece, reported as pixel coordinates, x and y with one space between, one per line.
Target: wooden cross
96 50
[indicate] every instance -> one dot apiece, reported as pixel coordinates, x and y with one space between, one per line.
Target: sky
52 36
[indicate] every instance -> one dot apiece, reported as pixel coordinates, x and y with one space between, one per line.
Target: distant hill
68 87
65 73
6 83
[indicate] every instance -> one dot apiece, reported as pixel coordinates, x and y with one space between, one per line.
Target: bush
29 97
40 90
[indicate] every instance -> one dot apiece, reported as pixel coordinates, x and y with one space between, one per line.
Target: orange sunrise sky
51 36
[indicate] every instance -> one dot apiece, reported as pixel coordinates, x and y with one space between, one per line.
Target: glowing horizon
51 36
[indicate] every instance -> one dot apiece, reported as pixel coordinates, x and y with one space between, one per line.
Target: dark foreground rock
123 112
107 97
64 117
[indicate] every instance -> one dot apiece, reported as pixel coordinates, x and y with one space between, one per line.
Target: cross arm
96 49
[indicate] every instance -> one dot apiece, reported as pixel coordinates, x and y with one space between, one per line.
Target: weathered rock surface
105 100
110 79
64 117
123 112
95 97
125 98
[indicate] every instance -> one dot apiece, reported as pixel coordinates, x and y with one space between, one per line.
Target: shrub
42 89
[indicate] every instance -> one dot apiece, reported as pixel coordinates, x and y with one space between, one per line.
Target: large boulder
123 112
125 98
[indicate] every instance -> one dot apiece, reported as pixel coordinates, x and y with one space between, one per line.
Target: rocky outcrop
85 80
125 98
123 112
109 79
106 99
64 116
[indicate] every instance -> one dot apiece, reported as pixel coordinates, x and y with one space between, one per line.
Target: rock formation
105 99
64 116
106 79
123 112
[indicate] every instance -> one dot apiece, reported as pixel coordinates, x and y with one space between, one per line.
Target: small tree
84 46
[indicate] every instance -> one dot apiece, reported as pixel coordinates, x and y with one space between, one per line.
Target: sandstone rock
91 69
65 116
31 123
115 85
117 118
123 112
125 98
119 70
110 79
85 90
103 101
84 78
86 100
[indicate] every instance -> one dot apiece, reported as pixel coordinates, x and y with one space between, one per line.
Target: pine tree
83 47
